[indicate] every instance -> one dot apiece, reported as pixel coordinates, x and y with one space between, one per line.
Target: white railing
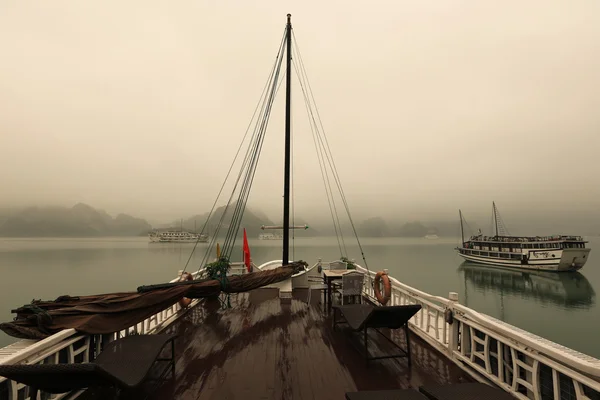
529 367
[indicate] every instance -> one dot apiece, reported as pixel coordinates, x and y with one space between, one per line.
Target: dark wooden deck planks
262 348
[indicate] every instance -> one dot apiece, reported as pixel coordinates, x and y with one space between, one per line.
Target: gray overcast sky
429 106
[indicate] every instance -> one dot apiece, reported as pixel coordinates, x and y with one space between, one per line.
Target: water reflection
564 289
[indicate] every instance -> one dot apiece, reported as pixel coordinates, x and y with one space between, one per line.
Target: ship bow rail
523 364
520 362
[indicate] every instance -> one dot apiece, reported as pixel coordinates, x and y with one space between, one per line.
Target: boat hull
179 241
542 260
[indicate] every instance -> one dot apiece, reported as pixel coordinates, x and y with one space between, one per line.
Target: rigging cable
332 164
276 66
244 163
324 174
254 154
251 168
292 182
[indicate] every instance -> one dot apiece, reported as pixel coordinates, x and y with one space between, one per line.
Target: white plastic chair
337 265
352 285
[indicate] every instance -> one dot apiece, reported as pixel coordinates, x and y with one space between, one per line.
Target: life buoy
387 287
186 276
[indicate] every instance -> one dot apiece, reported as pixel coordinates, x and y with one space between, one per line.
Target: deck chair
123 364
338 264
469 390
361 317
352 285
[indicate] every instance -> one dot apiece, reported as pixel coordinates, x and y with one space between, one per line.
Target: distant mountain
373 227
252 221
79 220
378 227
412 229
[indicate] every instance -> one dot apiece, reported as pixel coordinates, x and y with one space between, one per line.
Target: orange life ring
387 287
184 302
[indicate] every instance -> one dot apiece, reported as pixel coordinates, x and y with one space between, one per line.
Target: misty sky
428 106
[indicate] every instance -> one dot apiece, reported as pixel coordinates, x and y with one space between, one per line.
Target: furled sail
112 312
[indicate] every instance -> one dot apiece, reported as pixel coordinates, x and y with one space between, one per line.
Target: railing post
454 326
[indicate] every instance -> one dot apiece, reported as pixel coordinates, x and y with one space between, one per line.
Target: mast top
289 18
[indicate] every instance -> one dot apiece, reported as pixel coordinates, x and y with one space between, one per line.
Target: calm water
560 307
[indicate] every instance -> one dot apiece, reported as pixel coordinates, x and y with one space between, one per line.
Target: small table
330 275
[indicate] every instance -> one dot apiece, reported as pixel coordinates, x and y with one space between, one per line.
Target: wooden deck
265 347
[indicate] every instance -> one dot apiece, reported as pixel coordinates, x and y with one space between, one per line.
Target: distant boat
548 253
431 236
180 236
270 236
177 237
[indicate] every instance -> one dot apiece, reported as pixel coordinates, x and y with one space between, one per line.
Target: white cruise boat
548 253
177 237
270 236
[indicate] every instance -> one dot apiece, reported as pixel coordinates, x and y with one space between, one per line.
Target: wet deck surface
263 348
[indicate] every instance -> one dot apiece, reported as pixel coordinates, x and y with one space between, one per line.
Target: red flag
246 252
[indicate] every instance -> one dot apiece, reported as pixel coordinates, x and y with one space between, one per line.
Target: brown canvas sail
107 313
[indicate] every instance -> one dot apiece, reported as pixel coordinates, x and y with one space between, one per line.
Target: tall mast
288 120
462 234
495 217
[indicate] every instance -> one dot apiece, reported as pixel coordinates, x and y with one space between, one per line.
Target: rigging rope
262 106
247 171
251 169
329 154
292 195
213 238
502 230
471 230
324 174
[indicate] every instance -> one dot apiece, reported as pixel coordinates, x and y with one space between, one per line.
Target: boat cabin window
568 245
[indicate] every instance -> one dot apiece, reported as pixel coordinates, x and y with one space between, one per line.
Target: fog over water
138 107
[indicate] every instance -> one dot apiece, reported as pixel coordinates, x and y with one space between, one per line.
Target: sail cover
112 312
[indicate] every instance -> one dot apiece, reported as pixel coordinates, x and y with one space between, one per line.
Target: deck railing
524 364
68 346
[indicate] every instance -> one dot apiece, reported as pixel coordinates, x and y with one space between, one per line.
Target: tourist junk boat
548 253
271 344
177 237
180 236
270 236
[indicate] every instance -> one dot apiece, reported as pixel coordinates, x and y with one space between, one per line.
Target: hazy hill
79 220
373 227
252 220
